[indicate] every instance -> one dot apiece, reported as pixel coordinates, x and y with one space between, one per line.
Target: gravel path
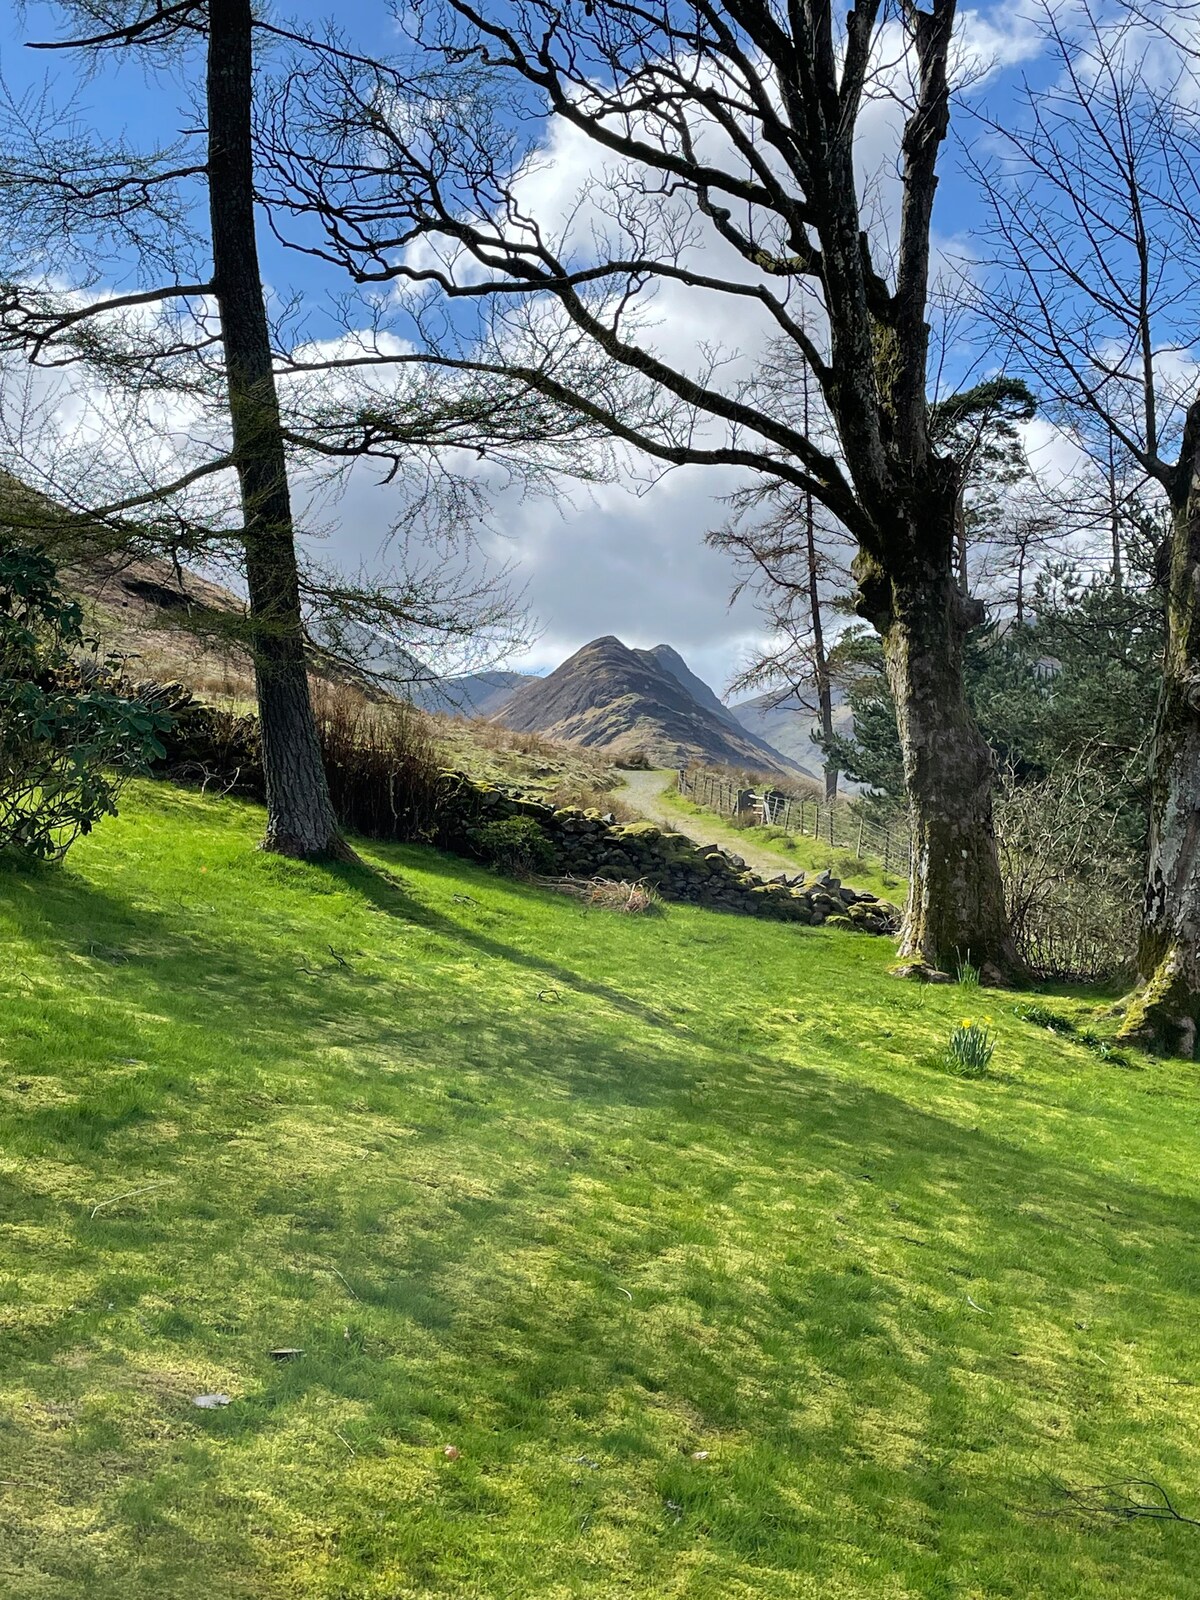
644 790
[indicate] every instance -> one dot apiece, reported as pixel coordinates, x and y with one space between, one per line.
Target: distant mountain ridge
610 696
473 694
788 724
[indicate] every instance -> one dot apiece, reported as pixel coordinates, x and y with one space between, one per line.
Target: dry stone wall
589 844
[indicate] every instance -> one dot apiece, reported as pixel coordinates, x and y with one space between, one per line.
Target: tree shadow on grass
435 1319
385 891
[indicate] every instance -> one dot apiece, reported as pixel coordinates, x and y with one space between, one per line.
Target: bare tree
1022 534
1095 208
723 143
795 560
194 336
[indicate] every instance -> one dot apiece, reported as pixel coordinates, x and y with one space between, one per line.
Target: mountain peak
613 697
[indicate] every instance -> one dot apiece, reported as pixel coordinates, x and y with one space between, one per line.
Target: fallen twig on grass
102 1205
323 972
1117 1500
342 1276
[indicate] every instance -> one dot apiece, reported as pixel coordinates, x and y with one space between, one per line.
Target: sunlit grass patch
665 1225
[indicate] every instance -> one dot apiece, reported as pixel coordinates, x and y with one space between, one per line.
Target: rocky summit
615 698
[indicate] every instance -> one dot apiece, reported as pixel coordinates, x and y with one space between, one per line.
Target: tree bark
956 908
300 816
1164 1013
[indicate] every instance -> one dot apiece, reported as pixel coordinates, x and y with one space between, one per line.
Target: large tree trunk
956 910
300 817
1165 1012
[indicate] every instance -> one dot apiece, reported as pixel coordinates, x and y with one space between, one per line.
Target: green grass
796 852
579 1195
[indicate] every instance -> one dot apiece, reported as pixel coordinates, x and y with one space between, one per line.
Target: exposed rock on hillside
612 697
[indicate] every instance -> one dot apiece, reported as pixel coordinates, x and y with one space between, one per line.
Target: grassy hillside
579 1196
546 769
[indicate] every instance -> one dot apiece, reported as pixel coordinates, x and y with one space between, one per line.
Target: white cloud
612 559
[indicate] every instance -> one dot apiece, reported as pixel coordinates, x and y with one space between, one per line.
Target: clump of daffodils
970 1048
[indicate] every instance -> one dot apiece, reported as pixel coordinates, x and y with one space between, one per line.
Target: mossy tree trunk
300 816
956 907
1165 1012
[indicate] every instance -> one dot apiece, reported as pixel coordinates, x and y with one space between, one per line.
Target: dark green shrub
70 731
209 745
513 844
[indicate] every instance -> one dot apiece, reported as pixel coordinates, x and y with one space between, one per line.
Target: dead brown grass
638 899
382 761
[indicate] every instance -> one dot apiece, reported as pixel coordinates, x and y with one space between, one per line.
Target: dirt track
644 791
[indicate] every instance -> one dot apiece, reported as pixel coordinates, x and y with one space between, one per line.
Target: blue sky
604 561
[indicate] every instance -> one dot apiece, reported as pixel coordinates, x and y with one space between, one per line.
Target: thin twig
342 1276
129 1194
1116 1500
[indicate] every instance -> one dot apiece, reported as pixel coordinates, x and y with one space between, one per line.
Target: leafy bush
970 1048
513 844
209 745
70 732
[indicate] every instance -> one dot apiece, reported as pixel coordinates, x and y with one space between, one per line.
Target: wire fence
840 825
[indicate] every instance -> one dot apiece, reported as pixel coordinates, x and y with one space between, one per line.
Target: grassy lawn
578 1195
